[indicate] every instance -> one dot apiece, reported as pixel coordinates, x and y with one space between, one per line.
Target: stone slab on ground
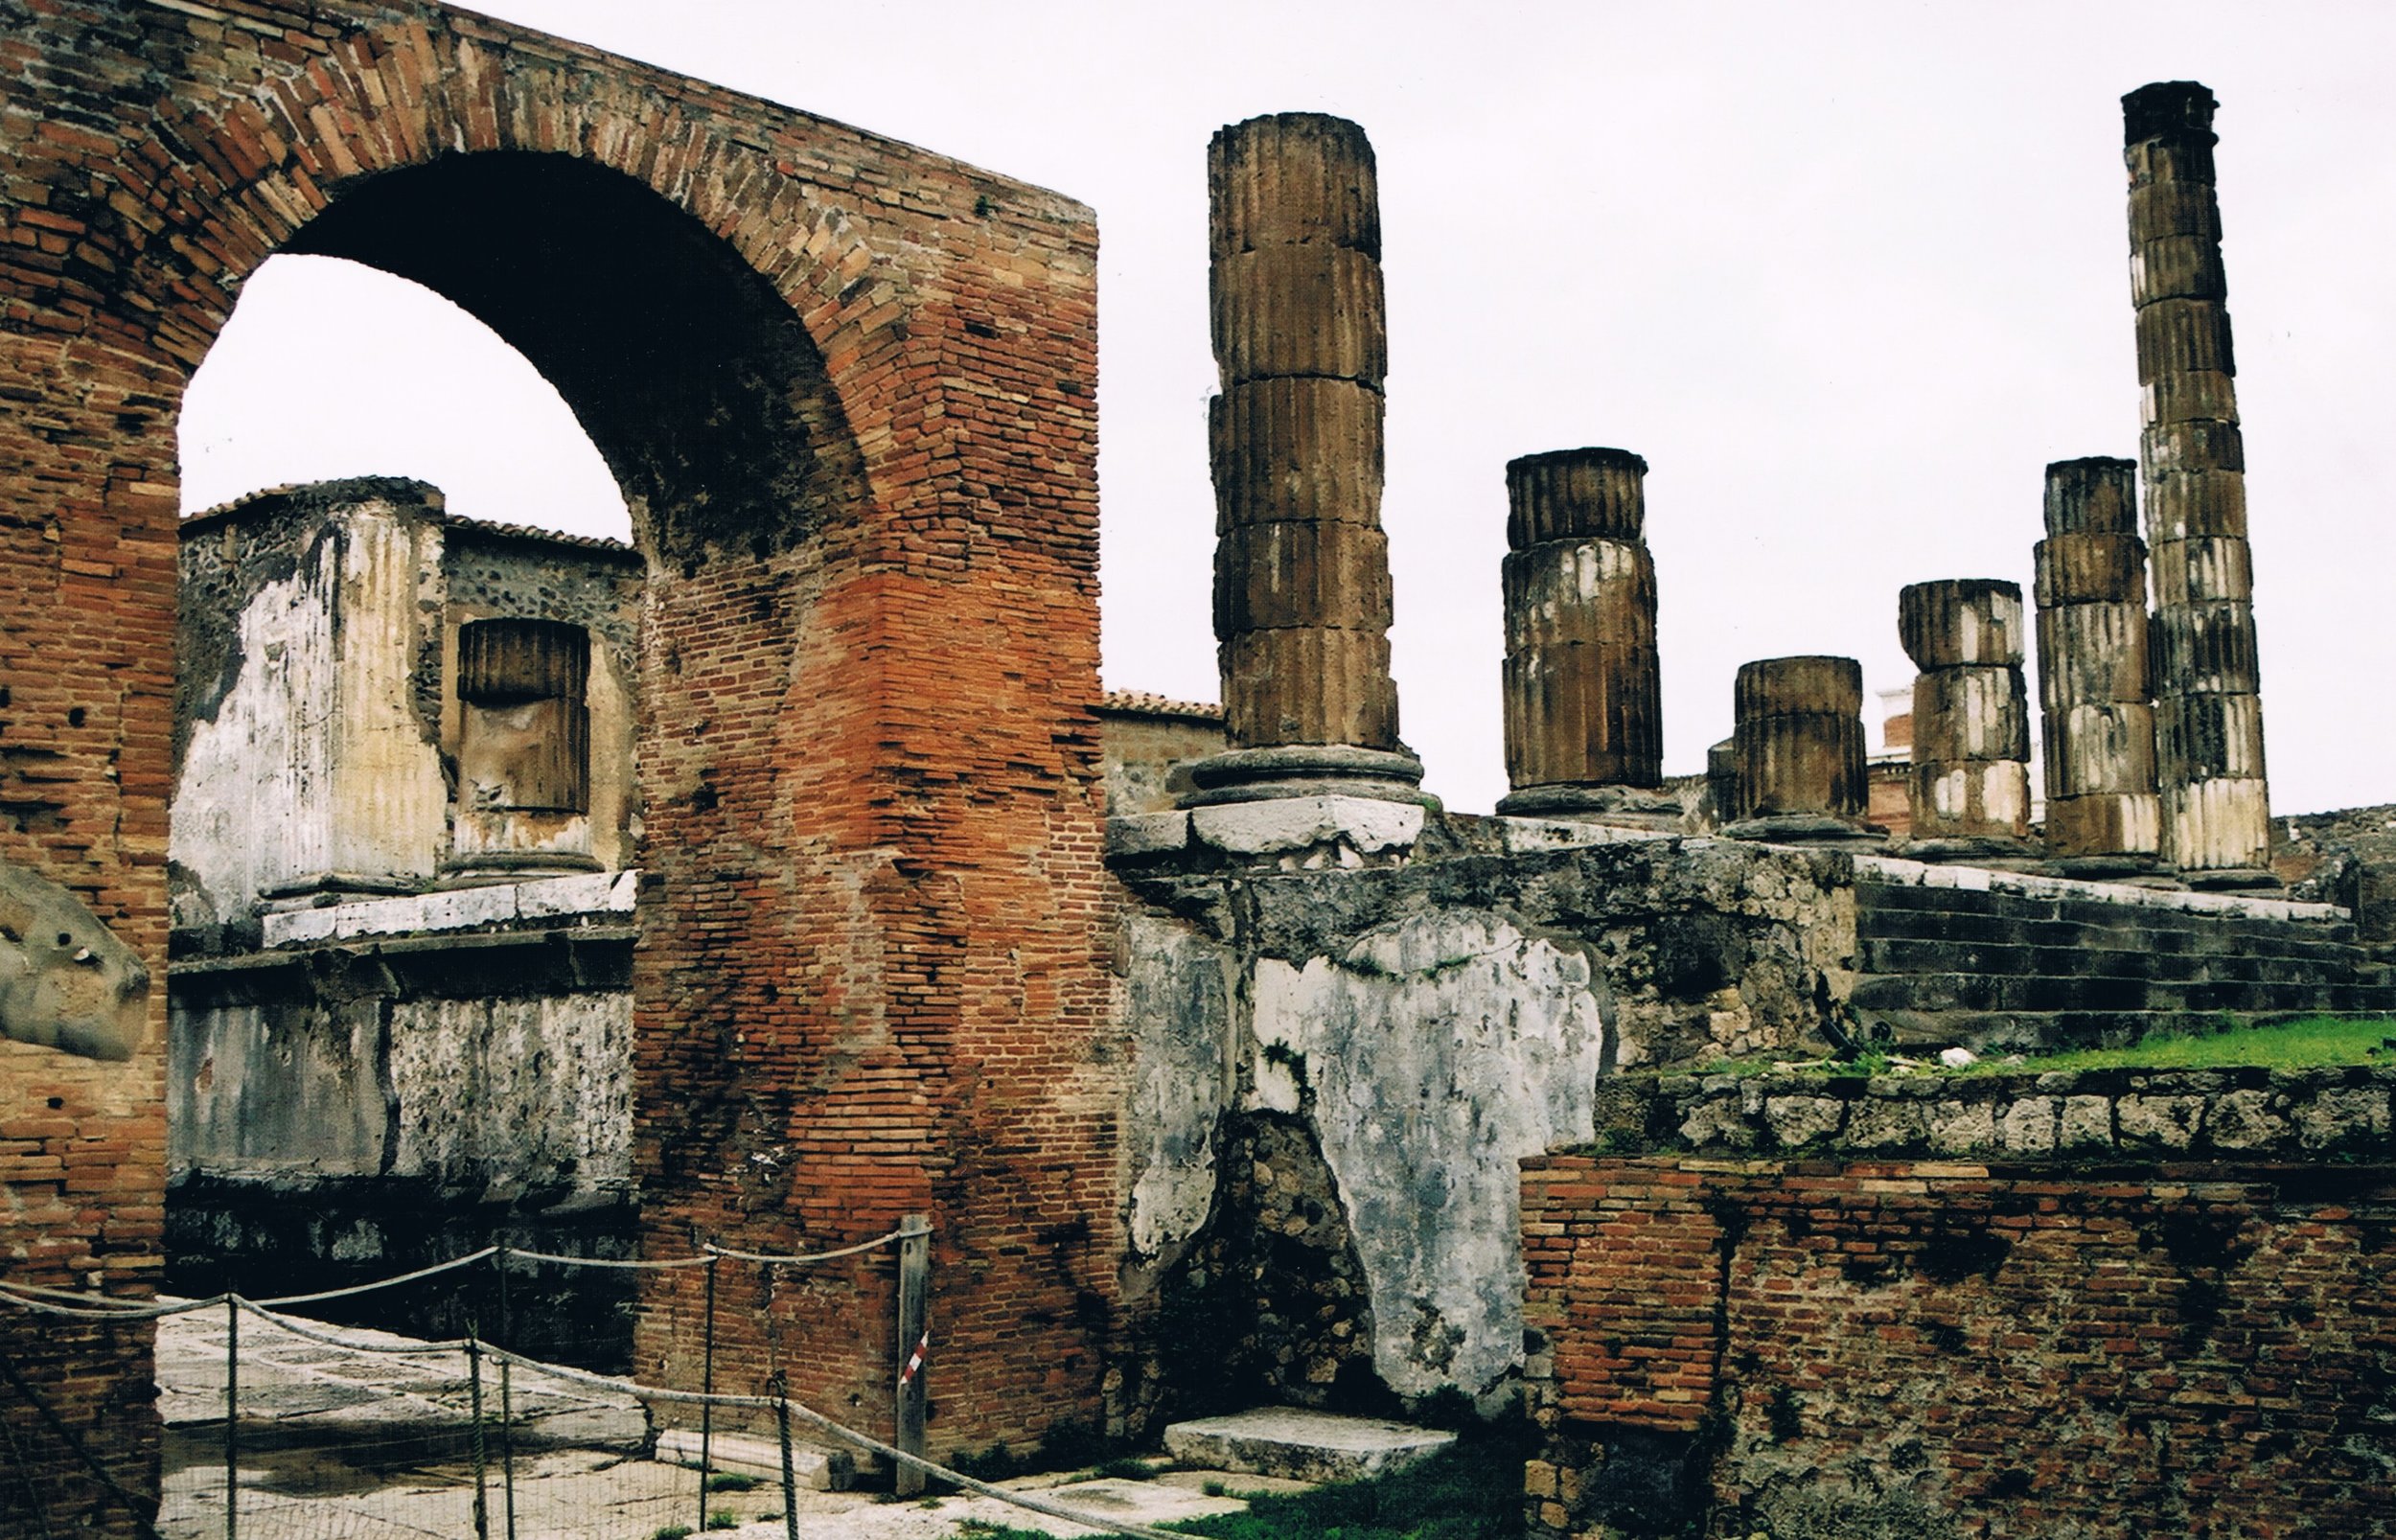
1302 1445
818 1469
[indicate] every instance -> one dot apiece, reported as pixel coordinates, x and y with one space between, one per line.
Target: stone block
2185 335
1971 713
1797 1121
1572 495
2077 569
1293 824
2203 567
1305 310
2093 653
1274 576
2029 1126
2096 495
1295 450
2159 1122
2209 737
1309 685
1302 1445
1293 178
1147 834
1958 622
819 1470
2093 750
1601 591
2084 1123
1584 715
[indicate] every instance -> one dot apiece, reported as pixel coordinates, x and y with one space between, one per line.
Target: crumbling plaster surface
1432 1022
314 758
476 1095
1439 1051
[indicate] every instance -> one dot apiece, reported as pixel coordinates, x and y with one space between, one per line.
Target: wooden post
914 1283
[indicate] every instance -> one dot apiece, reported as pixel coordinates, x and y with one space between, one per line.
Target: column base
1307 769
492 867
1622 807
1997 852
2139 870
1810 829
2234 880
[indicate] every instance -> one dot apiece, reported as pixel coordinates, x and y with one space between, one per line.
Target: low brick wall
1839 1347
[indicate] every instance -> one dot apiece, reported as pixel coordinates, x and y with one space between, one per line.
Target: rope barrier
787 1260
849 1436
89 1306
383 1283
515 1251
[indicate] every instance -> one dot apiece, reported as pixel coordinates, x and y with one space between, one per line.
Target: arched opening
400 1016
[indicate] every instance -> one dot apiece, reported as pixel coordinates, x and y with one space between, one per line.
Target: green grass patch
733 1480
2316 1042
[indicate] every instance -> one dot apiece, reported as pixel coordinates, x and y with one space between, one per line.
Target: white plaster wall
315 759
1179 1010
391 802
1441 1050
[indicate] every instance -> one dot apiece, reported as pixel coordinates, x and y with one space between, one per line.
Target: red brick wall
2209 1351
873 975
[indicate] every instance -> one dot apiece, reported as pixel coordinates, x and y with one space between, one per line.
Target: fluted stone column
1972 719
1797 738
1302 587
1585 733
2215 803
2101 813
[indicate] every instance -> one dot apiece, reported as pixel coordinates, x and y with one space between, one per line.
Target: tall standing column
2102 817
1972 719
1585 733
1302 576
2215 804
1797 740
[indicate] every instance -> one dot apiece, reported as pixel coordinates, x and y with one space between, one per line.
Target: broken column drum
1301 585
1971 720
1797 739
2215 804
1582 689
2102 814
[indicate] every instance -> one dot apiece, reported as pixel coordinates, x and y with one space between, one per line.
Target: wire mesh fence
283 1428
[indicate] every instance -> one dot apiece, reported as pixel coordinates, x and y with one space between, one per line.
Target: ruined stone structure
2215 803
1797 749
847 386
1302 579
1971 725
400 1009
2101 813
1584 716
1213 1102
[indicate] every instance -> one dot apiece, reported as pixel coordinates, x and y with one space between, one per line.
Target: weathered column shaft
2213 801
1971 715
2093 691
1302 598
1797 736
1582 687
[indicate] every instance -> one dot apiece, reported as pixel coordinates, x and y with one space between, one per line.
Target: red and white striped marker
915 1360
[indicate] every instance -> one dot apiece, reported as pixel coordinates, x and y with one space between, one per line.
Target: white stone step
1302 1445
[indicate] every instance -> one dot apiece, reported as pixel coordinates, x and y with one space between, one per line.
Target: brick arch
872 950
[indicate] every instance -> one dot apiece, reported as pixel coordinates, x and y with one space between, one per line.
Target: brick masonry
1839 1346
864 472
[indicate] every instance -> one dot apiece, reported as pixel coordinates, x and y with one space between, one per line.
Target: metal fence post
790 1474
232 1417
915 1342
707 1387
473 1381
507 1398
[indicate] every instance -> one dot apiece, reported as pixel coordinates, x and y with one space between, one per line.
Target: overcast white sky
1847 275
